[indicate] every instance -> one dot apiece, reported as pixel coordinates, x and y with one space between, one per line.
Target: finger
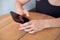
31 32
22 28
20 13
28 30
26 12
26 24
21 25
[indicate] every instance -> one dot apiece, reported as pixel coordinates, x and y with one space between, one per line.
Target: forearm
18 6
54 22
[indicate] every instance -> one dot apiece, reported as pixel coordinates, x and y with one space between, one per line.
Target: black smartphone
18 18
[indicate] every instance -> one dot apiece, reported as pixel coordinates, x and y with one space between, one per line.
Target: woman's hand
23 13
34 26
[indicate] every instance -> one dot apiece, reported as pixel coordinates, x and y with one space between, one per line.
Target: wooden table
9 29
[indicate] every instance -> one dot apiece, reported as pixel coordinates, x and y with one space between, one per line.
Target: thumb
20 12
26 13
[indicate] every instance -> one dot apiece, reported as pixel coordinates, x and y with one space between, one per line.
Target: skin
54 2
34 26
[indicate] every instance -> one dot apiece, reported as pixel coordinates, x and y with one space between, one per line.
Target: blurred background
9 5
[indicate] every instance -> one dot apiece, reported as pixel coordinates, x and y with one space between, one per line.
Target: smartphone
18 18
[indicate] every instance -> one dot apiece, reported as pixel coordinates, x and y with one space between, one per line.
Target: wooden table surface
9 29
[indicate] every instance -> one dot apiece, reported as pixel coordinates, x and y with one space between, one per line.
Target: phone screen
18 18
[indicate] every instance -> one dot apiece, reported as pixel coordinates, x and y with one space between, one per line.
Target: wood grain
9 29
5 20
10 32
4 16
47 34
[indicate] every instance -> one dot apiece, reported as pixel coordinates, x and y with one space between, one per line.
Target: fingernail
21 25
31 32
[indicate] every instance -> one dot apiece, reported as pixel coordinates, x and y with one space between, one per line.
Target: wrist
47 23
53 23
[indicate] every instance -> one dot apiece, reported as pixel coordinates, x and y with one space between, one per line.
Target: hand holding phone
18 18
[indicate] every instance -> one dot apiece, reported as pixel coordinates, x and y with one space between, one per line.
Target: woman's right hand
23 13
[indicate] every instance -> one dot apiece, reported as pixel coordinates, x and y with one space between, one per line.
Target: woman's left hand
34 26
